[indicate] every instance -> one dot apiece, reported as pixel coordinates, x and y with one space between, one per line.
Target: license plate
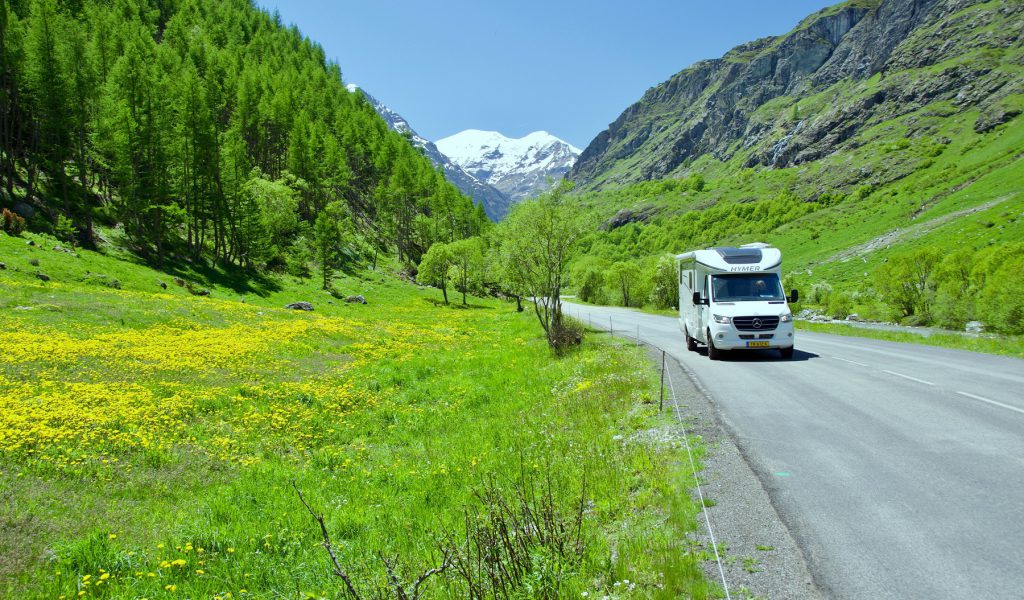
757 344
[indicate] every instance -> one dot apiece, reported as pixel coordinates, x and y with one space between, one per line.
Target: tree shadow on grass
457 305
237 279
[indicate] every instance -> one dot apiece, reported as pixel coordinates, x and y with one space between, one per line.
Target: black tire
786 353
691 344
713 353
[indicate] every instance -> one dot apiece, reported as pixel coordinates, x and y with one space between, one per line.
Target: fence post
661 400
611 328
638 335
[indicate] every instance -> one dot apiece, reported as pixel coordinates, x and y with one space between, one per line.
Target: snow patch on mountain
518 167
495 202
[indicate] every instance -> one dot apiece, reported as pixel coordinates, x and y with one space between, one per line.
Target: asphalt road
898 468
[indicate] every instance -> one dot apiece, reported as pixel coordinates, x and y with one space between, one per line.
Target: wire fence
627 333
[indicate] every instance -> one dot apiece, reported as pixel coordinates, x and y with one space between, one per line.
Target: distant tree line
206 130
933 285
652 281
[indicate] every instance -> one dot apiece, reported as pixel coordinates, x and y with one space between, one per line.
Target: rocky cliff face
795 98
494 201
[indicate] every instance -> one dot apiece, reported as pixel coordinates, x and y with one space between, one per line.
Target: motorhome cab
732 299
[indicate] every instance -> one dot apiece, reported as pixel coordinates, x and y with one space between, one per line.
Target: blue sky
569 68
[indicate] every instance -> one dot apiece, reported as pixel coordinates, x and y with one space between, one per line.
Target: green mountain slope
871 131
206 130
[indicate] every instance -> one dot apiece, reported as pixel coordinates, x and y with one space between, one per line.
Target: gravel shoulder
760 559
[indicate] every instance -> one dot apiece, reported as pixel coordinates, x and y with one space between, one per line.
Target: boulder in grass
34 262
974 327
300 306
3 266
43 276
178 281
358 299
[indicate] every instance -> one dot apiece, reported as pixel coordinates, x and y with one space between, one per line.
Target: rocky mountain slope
518 167
789 100
880 145
494 201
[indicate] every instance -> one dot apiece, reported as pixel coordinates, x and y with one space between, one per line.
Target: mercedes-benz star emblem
756 323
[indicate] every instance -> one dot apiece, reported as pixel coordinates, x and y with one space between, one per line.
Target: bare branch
319 518
445 563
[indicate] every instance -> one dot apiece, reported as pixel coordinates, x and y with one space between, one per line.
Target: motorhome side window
742 287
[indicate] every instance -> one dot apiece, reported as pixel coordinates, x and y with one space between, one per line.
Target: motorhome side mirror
696 298
794 297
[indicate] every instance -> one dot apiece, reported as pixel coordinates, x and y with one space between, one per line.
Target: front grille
755 323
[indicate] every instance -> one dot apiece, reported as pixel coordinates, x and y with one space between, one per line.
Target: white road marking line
908 377
852 362
993 402
909 355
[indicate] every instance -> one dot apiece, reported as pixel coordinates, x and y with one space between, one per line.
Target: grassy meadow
150 439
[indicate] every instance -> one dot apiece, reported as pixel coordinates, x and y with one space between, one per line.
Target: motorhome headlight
722 320
786 318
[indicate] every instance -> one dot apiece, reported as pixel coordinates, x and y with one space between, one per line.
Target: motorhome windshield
743 287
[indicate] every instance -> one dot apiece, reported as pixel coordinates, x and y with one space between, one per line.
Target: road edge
761 557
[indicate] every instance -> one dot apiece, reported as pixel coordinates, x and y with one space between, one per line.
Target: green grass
149 438
1002 345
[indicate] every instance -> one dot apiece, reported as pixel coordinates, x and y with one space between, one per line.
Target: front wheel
713 352
691 344
786 353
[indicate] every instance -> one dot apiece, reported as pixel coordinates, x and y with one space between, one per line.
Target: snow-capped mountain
495 202
518 167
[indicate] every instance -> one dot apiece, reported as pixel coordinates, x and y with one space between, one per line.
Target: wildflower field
153 443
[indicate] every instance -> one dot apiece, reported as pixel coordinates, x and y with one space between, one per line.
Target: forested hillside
878 144
206 131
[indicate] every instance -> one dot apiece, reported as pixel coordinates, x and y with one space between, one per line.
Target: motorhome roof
754 257
739 256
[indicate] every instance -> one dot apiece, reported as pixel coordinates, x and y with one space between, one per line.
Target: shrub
624 278
565 334
518 542
589 279
1000 303
905 282
14 224
64 230
664 283
840 305
819 293
951 278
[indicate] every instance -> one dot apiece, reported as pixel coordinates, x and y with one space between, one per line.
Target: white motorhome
732 299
